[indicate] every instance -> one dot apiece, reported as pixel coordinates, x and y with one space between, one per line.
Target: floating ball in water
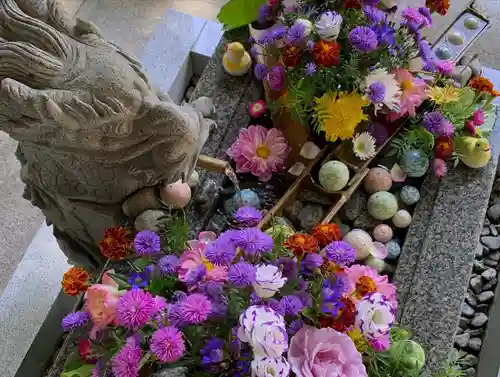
382 205
361 241
333 176
414 163
393 250
243 198
383 233
377 179
401 219
410 195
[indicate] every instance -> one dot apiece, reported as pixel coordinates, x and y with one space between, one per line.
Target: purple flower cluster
341 253
295 34
363 39
242 274
252 241
212 352
167 344
331 293
445 67
195 308
222 251
247 216
436 123
376 92
273 35
75 320
141 279
168 264
126 361
310 69
135 308
373 14
386 34
276 78
265 13
147 242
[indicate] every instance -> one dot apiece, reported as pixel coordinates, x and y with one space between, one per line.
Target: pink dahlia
412 91
366 280
259 151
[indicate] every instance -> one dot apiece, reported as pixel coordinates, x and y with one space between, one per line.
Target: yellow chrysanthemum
444 95
338 114
358 340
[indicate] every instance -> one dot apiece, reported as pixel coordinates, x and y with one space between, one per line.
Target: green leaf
163 286
74 361
238 13
121 280
83 371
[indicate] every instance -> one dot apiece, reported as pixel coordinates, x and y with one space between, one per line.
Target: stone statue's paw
205 105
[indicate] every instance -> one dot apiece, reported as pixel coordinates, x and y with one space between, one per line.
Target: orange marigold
495 93
344 320
326 53
291 56
444 148
481 84
439 6
116 244
329 268
326 233
365 285
301 243
75 281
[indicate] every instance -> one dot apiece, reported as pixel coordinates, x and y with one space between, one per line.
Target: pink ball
383 233
377 179
177 194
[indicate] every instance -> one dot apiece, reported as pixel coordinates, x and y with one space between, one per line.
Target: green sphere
414 163
382 205
333 176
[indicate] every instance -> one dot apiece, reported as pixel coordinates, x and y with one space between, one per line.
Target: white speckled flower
328 26
363 146
392 91
268 281
268 367
374 316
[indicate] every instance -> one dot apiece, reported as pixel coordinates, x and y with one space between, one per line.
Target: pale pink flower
324 352
100 303
382 283
439 167
195 255
478 117
413 91
259 151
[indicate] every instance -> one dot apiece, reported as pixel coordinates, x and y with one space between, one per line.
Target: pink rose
324 353
101 301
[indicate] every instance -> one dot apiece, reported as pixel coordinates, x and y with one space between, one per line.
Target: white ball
401 219
377 264
361 241
333 176
382 233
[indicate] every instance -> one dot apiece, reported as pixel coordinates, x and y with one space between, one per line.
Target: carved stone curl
91 129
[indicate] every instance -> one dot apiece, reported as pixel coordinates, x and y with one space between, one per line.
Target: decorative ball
383 233
401 219
393 250
375 263
414 163
361 241
379 250
194 179
333 176
471 23
176 195
377 179
410 195
243 198
382 205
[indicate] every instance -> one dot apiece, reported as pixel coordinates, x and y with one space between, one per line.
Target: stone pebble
494 256
490 285
462 340
479 320
468 360
489 274
475 344
494 213
467 310
476 284
492 243
463 322
485 296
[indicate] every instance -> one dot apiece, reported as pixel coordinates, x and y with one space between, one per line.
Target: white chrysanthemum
363 146
392 89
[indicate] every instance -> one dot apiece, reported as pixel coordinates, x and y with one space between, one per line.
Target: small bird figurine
236 61
473 152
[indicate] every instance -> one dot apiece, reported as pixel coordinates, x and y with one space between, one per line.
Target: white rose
307 26
328 26
267 367
268 281
374 316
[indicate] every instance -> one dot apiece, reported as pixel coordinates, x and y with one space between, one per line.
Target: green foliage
83 371
174 232
489 121
450 368
164 286
458 112
121 280
416 137
238 301
236 13
73 362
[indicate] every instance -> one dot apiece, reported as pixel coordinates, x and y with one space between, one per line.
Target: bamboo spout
213 164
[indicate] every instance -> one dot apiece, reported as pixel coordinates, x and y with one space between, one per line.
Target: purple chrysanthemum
147 242
310 44
167 344
291 305
126 362
247 216
429 65
425 50
260 71
294 327
310 69
427 15
75 320
445 67
196 274
135 308
446 128
254 51
241 274
363 39
331 294
195 308
312 261
413 16
266 38
265 12
385 33
275 77
295 34
276 306
212 352
376 92
288 267
168 264
174 316
373 14
278 32
433 120
253 241
222 251
341 253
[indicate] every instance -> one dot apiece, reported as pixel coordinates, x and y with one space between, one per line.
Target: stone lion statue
91 129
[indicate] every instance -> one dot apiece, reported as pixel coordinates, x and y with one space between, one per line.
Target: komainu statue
91 129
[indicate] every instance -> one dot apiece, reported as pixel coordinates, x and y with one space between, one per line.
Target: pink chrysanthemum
167 344
413 91
439 167
135 308
445 67
126 362
259 151
446 128
195 308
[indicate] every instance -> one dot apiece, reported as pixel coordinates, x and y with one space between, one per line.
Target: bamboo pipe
213 164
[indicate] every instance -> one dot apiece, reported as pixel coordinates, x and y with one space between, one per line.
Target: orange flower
291 56
365 285
326 53
329 268
495 93
444 148
481 84
75 281
345 318
439 6
115 244
301 243
326 233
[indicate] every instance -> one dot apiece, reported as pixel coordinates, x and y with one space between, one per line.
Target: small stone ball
361 241
393 249
194 179
383 233
401 219
333 176
176 195
414 163
377 179
382 205
243 198
375 263
410 195
379 250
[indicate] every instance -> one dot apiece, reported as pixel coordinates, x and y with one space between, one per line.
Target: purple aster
429 65
174 316
247 216
195 308
167 344
178 296
126 361
75 320
386 34
267 37
241 274
195 275
291 305
212 352
312 261
253 241
331 294
341 253
425 50
260 71
135 308
376 92
288 267
276 306
414 17
310 69
305 298
310 44
427 15
147 242
168 264
445 67
140 279
374 15
265 12
446 128
254 51
433 120
222 251
295 326
255 300
295 34
363 39
278 32
276 78
212 289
